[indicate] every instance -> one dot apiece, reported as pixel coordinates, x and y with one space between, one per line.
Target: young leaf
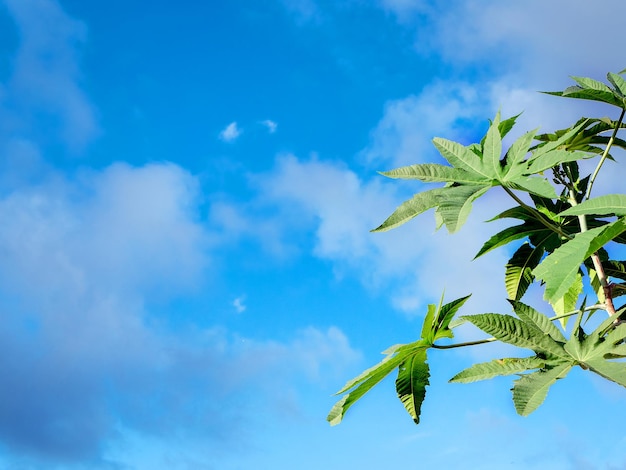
411 383
364 382
531 390
447 312
497 367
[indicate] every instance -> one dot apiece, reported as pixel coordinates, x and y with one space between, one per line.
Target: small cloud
239 305
230 133
271 125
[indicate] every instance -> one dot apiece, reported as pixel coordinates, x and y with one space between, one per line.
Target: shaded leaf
411 383
518 271
456 204
530 390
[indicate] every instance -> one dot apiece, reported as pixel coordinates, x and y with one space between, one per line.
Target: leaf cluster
561 238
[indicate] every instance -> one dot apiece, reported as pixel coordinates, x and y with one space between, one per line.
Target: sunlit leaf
498 367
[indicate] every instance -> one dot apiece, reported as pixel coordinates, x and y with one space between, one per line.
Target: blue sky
186 190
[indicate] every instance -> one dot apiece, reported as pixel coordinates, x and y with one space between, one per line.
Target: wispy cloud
46 75
230 132
271 125
239 304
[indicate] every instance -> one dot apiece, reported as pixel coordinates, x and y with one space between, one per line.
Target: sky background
186 192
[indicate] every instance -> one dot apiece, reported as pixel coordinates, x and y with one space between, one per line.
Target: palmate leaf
530 390
618 82
498 367
601 205
559 269
513 331
413 374
518 271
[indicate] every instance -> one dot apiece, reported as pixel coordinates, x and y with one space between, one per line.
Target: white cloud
230 132
46 74
415 259
271 125
239 304
83 261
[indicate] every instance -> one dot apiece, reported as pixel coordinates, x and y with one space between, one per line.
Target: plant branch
597 264
462 345
605 154
575 312
538 215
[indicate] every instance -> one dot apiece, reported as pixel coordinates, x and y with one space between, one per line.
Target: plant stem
462 345
597 264
574 312
605 154
540 217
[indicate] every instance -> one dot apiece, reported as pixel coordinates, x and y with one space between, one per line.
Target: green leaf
531 316
534 185
497 367
411 383
456 204
518 271
601 205
515 165
364 382
492 148
568 302
447 312
537 164
433 173
530 390
614 371
513 331
618 82
559 269
418 204
428 324
461 157
509 235
591 84
549 147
